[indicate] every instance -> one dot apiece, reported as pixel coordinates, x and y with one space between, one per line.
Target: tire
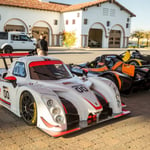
7 49
112 78
28 109
135 63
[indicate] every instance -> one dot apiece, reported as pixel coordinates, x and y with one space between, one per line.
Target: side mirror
85 71
12 80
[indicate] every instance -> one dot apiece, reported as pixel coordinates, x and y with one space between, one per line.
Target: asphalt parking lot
130 132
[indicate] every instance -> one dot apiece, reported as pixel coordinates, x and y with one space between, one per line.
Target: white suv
15 41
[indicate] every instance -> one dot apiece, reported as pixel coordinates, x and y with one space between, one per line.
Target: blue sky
141 8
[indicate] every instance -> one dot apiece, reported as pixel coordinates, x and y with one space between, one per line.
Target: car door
7 94
27 43
21 42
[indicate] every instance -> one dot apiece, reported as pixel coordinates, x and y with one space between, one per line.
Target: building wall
97 18
70 27
30 18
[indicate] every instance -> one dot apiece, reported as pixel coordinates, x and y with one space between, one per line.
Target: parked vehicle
44 93
136 58
90 69
15 41
127 77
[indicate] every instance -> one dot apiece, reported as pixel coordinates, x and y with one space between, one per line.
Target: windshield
48 70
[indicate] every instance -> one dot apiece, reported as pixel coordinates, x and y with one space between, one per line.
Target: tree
139 35
147 36
68 38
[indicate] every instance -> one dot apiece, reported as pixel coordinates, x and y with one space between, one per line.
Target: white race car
44 93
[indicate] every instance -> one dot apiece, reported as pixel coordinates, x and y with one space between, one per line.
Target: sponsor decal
80 88
6 92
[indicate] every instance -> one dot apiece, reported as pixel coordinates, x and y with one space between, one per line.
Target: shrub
68 38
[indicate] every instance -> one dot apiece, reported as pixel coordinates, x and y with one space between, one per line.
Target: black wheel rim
28 108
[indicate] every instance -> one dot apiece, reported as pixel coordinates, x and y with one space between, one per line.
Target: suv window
15 37
19 69
4 35
24 38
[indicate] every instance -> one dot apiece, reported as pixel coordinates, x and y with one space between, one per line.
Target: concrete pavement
128 133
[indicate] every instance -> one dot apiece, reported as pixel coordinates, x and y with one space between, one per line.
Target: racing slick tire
135 63
28 108
7 49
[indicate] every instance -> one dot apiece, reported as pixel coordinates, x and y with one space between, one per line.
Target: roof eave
30 8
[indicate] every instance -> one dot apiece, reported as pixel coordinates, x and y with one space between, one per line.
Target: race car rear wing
10 56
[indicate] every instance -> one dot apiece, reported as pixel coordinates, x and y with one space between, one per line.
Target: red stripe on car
14 54
96 107
57 134
5 101
41 63
48 124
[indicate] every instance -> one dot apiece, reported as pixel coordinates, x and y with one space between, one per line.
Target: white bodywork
18 41
80 93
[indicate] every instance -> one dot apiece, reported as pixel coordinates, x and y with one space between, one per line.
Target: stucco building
101 23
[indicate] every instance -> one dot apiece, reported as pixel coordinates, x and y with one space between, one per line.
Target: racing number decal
80 88
5 92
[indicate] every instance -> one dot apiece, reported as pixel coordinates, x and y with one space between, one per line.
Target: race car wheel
28 108
135 63
7 49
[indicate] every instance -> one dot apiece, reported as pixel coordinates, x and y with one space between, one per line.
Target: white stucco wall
117 21
96 19
30 18
70 16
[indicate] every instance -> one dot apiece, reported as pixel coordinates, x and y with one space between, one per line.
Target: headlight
59 119
55 110
50 103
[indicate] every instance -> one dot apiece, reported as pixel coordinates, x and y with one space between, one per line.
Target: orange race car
127 77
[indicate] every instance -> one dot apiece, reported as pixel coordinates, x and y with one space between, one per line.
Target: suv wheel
7 49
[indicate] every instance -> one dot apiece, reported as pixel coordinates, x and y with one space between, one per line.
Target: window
112 12
67 22
55 22
53 70
19 69
73 21
105 11
3 35
24 38
16 37
78 14
127 25
108 23
85 21
128 19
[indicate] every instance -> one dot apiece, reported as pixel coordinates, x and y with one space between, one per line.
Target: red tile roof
92 3
36 4
83 5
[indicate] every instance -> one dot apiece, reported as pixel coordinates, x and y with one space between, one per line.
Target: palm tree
139 35
147 36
